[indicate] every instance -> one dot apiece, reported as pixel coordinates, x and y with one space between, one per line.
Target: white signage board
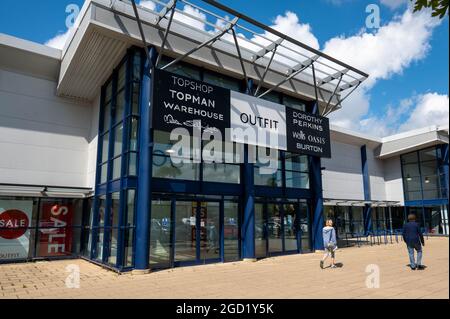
267 121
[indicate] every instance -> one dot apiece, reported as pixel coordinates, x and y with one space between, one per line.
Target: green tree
439 7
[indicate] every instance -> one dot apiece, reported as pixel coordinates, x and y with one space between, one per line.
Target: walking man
414 241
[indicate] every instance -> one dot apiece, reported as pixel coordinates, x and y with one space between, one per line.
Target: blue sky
396 99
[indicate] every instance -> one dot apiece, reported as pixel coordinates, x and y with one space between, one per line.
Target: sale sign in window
15 219
55 229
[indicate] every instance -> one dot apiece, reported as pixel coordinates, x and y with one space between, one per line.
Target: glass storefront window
304 227
108 93
410 158
297 180
290 227
101 210
133 134
122 113
295 162
222 81
59 228
271 96
272 180
137 67
88 221
274 234
164 167
209 215
135 99
378 219
294 103
184 70
260 237
358 220
105 148
428 154
128 231
118 140
433 220
121 77
221 173
160 234
104 173
231 231
106 116
114 229
421 175
132 164
185 231
120 107
264 178
16 222
117 167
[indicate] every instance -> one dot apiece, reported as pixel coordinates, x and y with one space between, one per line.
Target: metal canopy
354 202
264 47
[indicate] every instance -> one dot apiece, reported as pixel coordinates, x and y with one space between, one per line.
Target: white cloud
191 21
388 51
414 112
58 41
148 4
393 4
290 25
339 2
431 109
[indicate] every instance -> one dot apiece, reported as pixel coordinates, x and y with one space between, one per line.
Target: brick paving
293 276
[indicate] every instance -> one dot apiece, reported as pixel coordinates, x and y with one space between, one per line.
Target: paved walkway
294 276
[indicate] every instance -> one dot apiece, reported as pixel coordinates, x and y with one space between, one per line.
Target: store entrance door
197 232
281 228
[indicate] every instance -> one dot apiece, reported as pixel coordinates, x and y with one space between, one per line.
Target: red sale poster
55 229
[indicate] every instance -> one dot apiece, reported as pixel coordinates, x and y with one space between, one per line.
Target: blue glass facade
152 213
425 184
197 212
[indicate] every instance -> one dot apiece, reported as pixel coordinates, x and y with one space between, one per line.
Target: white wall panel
93 141
44 139
393 179
342 178
376 173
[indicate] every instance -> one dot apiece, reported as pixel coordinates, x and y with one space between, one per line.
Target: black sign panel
181 102
307 134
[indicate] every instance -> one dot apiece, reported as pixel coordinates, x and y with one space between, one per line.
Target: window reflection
231 231
164 167
421 177
160 239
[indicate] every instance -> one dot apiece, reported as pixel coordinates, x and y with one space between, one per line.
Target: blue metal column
144 192
366 186
315 176
444 166
248 220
